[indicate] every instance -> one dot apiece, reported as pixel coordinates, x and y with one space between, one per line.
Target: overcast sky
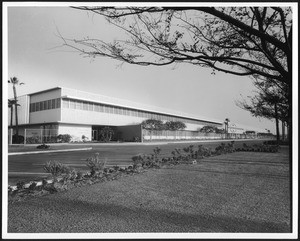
34 58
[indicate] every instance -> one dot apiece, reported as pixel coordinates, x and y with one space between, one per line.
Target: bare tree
269 102
243 41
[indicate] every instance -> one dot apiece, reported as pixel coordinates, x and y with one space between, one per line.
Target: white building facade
78 113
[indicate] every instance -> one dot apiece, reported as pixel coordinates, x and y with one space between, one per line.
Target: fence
35 136
194 135
179 135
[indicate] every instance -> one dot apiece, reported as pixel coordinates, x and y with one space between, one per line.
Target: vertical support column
142 134
41 136
24 136
11 135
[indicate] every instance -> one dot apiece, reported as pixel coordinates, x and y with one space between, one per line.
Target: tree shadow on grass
72 216
248 174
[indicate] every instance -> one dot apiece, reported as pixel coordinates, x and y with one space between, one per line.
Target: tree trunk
16 113
11 115
283 130
277 124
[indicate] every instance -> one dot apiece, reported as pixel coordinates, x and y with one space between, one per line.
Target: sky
36 58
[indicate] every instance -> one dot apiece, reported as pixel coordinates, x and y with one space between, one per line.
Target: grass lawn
242 192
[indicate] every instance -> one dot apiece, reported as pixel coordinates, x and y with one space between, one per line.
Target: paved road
29 167
234 193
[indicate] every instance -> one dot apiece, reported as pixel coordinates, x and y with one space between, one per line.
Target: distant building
67 111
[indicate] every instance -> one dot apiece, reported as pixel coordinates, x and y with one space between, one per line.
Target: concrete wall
97 118
52 115
128 133
76 131
47 95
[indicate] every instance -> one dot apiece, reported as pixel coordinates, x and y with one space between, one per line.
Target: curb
38 152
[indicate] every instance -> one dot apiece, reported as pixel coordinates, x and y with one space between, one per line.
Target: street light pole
226 127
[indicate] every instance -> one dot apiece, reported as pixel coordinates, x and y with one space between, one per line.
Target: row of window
89 106
45 105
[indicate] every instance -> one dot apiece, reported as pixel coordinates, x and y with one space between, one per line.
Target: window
42 105
72 104
66 103
85 106
111 109
78 105
49 104
53 104
32 107
91 105
57 103
97 107
37 107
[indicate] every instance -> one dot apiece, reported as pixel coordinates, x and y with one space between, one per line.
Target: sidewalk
233 193
31 148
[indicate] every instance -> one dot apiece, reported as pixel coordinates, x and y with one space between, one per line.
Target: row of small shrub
65 177
259 148
190 154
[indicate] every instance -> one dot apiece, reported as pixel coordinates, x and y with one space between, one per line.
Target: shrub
203 151
143 160
43 146
95 164
17 139
106 134
56 168
178 156
221 149
20 185
33 140
65 138
190 152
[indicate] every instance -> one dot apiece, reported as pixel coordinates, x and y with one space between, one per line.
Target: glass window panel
101 107
30 110
46 105
57 103
85 106
53 104
49 104
97 107
91 106
42 105
78 105
65 103
72 104
37 106
115 108
109 108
